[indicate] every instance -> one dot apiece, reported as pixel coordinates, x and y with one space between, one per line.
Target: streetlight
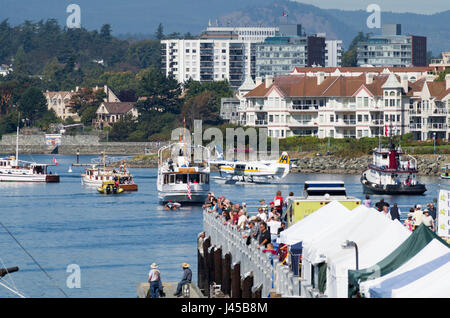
350 244
434 142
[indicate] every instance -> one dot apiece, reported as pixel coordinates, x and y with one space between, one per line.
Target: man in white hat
187 278
154 278
417 216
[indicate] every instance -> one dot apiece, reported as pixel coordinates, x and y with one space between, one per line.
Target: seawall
70 145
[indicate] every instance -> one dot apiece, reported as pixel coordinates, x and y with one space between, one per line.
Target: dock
169 289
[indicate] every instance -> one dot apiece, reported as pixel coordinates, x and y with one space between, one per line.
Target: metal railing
251 259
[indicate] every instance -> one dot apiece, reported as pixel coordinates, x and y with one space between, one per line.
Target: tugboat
390 174
181 178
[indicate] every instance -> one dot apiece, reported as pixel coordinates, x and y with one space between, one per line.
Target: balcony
415 126
377 122
437 126
345 122
262 122
312 108
302 123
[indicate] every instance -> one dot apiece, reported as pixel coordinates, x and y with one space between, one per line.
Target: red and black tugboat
392 175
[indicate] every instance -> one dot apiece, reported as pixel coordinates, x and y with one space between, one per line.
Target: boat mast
17 147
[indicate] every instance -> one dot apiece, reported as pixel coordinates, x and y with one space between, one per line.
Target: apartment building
367 105
221 53
280 54
333 53
391 48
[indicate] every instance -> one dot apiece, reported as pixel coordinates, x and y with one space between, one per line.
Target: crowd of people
415 217
264 227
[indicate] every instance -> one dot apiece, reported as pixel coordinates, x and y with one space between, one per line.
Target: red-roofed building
363 104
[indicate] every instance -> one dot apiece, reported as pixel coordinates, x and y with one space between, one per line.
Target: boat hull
98 183
392 189
53 178
182 197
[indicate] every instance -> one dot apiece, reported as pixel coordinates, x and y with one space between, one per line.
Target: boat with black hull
391 174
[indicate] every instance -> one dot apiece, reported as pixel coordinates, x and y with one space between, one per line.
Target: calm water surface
114 238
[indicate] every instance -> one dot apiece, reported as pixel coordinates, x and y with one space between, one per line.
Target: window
366 101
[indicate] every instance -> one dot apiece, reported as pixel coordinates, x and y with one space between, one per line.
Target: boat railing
267 271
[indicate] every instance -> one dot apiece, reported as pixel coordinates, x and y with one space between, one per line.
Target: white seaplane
244 172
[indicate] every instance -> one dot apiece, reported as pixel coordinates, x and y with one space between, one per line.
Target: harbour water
113 239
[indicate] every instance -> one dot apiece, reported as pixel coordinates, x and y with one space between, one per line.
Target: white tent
375 235
373 246
432 250
314 246
320 220
434 285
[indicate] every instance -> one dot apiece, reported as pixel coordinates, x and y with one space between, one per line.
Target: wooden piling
218 265
201 268
256 292
236 281
206 277
247 284
226 274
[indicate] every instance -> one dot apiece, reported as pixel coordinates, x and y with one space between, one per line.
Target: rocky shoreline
428 164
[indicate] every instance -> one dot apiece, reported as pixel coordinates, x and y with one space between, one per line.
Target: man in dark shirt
187 278
394 212
380 204
264 236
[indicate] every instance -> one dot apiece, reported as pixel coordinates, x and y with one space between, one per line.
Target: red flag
385 130
54 161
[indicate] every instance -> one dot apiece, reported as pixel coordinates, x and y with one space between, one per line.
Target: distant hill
142 17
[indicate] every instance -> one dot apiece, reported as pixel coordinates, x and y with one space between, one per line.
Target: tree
159 34
349 58
86 103
20 65
32 104
203 107
105 32
160 93
122 129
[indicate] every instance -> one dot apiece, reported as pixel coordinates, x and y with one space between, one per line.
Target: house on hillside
109 113
60 101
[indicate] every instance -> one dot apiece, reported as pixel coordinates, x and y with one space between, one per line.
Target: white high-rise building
333 53
220 53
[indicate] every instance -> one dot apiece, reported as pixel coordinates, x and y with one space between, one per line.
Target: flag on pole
189 190
385 130
54 161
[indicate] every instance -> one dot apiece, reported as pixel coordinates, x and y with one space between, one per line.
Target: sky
414 6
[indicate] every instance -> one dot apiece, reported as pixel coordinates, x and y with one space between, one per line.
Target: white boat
445 173
14 170
96 175
181 177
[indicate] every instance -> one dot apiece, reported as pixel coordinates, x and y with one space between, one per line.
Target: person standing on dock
264 236
367 202
395 212
186 279
154 278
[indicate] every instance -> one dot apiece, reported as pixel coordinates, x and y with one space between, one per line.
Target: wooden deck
169 290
